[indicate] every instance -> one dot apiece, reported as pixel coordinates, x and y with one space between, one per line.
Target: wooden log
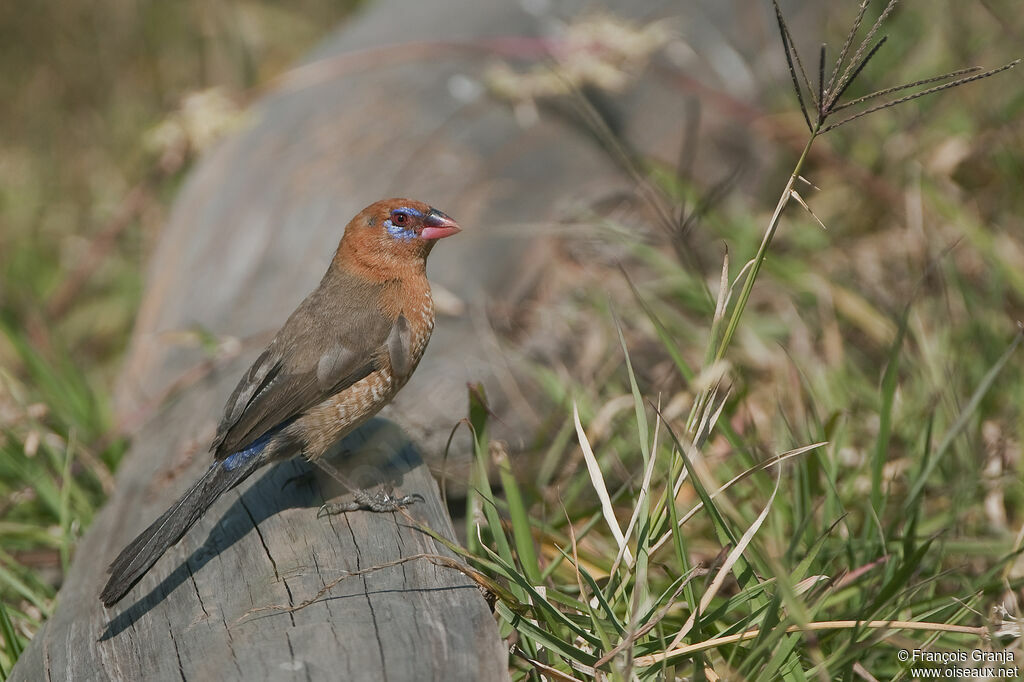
250 235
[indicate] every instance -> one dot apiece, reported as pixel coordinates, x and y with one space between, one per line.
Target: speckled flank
328 422
421 320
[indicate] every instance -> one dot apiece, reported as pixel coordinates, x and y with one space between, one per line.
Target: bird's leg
380 501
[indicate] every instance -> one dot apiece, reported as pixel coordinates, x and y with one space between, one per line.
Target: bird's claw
380 502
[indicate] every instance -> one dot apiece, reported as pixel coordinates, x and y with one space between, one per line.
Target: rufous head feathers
394 233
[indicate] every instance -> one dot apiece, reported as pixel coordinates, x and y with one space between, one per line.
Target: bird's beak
438 226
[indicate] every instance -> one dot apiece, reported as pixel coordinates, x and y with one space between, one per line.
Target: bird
340 357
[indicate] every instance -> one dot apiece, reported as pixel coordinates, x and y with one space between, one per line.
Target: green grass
847 485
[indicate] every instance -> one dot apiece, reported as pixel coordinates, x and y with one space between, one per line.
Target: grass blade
726 568
597 480
961 421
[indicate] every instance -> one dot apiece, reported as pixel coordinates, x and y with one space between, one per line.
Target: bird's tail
139 556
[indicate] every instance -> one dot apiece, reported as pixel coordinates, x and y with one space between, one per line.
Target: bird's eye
399 218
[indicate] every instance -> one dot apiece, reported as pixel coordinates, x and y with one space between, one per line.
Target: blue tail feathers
242 457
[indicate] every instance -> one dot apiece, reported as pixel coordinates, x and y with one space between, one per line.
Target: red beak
438 226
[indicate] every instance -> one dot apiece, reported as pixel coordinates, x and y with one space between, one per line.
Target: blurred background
107 104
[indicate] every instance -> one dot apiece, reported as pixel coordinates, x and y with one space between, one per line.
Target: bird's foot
380 501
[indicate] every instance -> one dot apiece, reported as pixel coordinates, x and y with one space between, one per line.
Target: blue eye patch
398 231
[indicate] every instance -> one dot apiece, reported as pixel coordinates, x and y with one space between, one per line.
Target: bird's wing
330 342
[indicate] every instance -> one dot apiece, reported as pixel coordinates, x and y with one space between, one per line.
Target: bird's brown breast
329 421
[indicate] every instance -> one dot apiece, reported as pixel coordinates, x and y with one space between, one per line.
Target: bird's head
394 233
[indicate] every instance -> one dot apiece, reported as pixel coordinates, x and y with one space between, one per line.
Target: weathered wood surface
251 234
